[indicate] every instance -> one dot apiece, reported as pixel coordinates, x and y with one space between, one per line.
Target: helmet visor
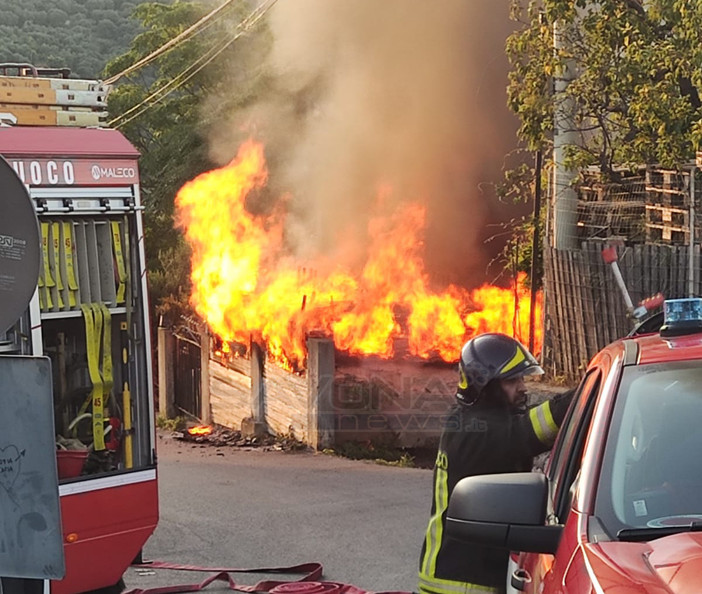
534 370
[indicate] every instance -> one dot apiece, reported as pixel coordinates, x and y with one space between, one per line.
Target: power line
168 88
168 45
159 94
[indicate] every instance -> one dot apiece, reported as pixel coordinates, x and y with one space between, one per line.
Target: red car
619 508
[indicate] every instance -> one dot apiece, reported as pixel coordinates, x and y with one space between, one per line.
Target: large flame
248 288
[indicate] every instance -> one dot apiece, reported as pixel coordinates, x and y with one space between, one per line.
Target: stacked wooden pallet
40 101
668 206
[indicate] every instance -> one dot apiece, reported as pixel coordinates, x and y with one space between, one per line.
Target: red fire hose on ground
308 584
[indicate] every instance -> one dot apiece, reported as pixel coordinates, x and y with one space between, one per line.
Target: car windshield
652 471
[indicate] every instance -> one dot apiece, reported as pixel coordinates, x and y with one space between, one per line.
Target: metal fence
187 368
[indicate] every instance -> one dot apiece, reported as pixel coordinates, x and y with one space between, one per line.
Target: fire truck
88 315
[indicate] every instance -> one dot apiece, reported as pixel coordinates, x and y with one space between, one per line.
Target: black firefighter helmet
488 357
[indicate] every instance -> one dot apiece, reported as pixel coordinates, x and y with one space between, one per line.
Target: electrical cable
169 44
165 90
243 27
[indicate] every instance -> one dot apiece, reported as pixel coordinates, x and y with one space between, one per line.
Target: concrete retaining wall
402 404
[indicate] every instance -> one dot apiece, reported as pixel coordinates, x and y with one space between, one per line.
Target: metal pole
535 247
691 263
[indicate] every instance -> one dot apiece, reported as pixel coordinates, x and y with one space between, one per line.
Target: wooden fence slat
590 329
586 298
610 294
564 343
671 271
638 290
576 316
635 292
650 271
683 272
594 257
549 357
574 268
657 259
641 262
572 308
557 315
573 318
603 287
653 272
615 299
565 300
624 322
677 275
557 343
626 264
695 274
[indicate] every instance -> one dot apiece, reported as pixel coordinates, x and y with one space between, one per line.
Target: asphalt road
229 507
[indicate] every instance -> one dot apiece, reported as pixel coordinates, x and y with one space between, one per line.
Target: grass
177 424
375 452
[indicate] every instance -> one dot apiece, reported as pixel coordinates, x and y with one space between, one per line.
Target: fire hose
307 584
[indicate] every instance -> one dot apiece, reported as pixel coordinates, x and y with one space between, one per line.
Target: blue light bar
681 316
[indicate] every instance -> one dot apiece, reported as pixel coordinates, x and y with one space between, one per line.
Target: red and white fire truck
89 315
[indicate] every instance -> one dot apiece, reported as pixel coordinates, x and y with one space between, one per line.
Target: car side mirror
506 511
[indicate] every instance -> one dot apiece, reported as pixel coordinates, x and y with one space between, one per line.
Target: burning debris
219 437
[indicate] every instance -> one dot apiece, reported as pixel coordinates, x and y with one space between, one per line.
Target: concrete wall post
258 383
205 408
320 377
166 373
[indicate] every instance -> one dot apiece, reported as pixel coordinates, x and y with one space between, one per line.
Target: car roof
654 348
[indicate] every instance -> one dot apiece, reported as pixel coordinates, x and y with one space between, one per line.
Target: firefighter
488 430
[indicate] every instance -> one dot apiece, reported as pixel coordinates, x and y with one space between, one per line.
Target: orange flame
200 430
248 288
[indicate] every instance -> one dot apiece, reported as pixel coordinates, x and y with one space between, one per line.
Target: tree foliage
518 186
166 110
77 34
636 78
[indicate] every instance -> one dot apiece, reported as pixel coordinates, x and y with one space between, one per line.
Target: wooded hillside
82 35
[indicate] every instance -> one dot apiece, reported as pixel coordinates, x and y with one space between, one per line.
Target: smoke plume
403 99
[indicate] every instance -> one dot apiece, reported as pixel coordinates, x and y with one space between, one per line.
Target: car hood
669 564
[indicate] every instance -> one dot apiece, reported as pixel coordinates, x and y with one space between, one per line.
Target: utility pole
565 199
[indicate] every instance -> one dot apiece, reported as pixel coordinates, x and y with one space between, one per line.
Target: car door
535 572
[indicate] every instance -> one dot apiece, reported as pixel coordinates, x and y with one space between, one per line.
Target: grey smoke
407 94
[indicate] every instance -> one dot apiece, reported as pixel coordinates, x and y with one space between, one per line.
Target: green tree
65 33
160 108
518 186
636 77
